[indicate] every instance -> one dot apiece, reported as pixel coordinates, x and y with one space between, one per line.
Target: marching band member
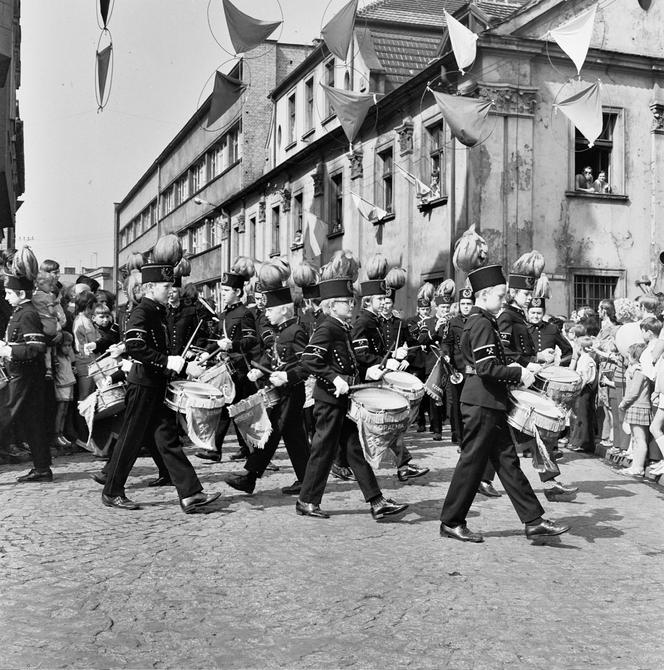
238 342
484 410
146 414
418 366
547 335
22 351
282 358
330 358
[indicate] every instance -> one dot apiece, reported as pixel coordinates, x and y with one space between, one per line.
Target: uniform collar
285 324
230 308
149 302
538 326
343 324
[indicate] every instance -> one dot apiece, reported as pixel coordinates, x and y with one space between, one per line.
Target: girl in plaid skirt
637 407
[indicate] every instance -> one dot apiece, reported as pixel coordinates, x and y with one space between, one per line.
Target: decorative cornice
509 99
405 133
657 109
355 158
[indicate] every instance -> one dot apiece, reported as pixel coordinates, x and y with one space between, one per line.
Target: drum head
558 374
199 390
380 399
402 380
540 403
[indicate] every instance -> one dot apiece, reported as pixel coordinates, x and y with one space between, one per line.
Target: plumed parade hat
157 272
444 299
466 294
524 282
233 280
277 297
486 277
537 303
423 302
16 283
88 281
336 288
312 291
373 287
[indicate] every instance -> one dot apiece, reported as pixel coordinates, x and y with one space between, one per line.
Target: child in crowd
64 385
636 406
108 332
582 430
85 341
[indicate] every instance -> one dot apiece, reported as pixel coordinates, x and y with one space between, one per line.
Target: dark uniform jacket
311 320
432 333
328 355
147 342
182 321
451 344
5 310
25 336
285 353
484 355
107 337
237 323
264 330
368 340
547 335
414 325
515 334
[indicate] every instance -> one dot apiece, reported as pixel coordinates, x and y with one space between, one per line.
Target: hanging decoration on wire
230 81
584 110
315 234
574 36
104 56
464 42
422 191
227 91
338 31
351 109
105 10
372 213
245 31
466 117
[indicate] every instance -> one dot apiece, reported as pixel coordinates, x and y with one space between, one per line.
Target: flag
465 116
245 31
103 10
103 60
464 42
574 36
421 189
351 108
372 213
314 237
584 110
338 31
226 92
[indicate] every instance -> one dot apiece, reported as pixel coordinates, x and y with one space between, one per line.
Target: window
184 241
145 220
291 119
198 176
214 232
153 214
384 180
336 221
275 231
606 156
590 290
181 190
233 139
329 80
235 243
347 81
167 200
436 139
309 104
252 237
297 218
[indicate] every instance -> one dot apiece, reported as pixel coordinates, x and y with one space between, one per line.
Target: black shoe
239 455
410 472
246 483
119 502
460 532
559 488
208 455
162 480
556 455
192 504
544 528
309 509
271 466
292 490
343 473
386 507
421 428
99 477
36 476
437 437
486 489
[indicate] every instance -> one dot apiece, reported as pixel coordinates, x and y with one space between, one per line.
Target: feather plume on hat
396 278
273 274
135 261
183 268
446 288
376 267
542 287
243 266
470 251
343 264
426 292
530 264
305 274
25 264
167 250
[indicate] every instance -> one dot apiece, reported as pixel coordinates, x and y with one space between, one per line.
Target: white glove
254 374
374 373
5 351
225 344
527 377
403 365
116 350
534 367
175 363
340 386
278 378
546 356
392 364
202 358
401 352
125 365
104 382
194 370
89 347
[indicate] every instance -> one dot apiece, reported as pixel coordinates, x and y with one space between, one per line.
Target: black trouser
332 425
288 422
582 433
487 438
424 403
454 410
146 415
243 389
25 409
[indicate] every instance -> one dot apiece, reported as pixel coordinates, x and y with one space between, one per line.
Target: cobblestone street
251 585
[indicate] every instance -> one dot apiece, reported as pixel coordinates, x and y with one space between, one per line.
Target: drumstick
209 309
191 339
357 387
262 368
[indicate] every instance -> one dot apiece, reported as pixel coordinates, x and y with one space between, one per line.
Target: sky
78 162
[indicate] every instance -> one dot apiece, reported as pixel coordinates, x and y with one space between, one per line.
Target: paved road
250 585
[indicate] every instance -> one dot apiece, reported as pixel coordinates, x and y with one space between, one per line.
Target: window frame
587 272
330 79
384 178
335 203
275 228
292 119
309 103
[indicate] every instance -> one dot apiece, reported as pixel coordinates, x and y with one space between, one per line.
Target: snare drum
406 385
105 367
560 384
110 401
181 395
270 396
529 409
384 410
4 378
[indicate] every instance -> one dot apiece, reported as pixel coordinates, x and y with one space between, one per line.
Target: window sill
597 196
336 232
297 245
308 134
386 219
274 254
426 205
195 254
329 118
290 146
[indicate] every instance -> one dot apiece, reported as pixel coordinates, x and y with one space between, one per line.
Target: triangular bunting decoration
464 42
104 6
314 235
245 31
584 110
372 213
103 60
227 91
351 108
338 31
574 36
421 189
465 116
